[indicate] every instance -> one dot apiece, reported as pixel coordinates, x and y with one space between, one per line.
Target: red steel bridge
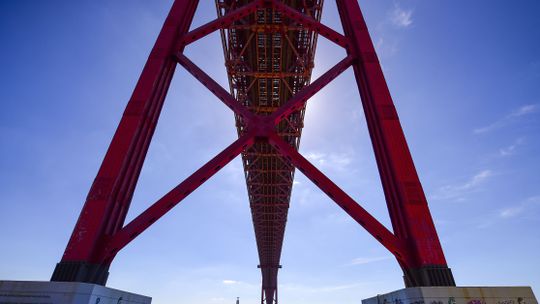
269 48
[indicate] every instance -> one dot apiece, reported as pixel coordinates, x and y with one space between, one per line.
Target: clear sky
465 77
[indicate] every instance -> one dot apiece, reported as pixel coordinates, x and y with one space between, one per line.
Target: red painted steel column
109 198
269 283
405 197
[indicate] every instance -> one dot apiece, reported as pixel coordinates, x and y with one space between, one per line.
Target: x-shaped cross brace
261 128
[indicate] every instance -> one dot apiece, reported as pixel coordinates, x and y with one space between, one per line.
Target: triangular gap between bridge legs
161 207
342 199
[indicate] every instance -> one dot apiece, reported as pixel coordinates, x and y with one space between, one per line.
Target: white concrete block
30 292
456 295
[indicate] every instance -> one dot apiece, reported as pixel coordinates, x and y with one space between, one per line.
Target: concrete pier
32 292
456 295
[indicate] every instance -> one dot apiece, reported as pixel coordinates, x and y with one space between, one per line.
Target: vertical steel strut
269 47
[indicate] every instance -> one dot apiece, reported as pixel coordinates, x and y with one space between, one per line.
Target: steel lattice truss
269 46
269 58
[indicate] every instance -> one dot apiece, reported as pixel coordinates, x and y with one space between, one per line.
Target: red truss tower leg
109 198
269 49
406 201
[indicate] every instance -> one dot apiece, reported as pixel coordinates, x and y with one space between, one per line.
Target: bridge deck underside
269 58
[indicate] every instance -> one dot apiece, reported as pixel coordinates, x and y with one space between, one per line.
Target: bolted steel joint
262 127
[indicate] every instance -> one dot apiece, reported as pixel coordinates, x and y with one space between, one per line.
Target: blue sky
465 78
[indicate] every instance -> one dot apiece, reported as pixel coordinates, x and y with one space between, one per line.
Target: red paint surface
268 138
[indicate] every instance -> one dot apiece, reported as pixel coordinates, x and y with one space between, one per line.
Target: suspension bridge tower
269 50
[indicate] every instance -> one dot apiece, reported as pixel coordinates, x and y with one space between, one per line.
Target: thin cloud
339 287
384 48
324 289
379 44
511 212
519 209
511 149
401 18
367 260
473 182
240 284
524 110
508 119
316 157
459 191
335 161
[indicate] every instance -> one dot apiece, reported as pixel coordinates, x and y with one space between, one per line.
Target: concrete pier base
456 295
30 292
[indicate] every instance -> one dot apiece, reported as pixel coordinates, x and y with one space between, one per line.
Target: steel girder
269 89
269 58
